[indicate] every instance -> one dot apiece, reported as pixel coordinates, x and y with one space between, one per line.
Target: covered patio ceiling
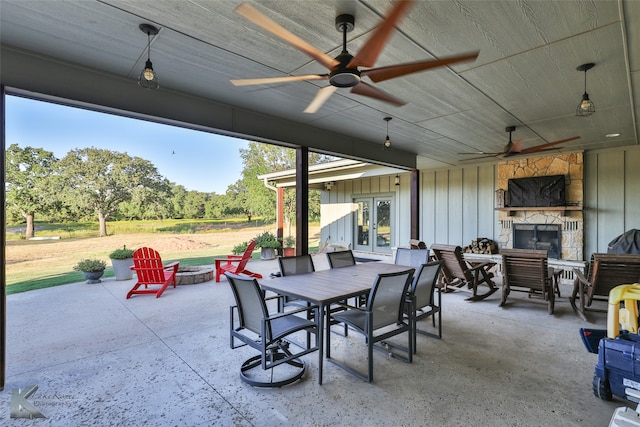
91 53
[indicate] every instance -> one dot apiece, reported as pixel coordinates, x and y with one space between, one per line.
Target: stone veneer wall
572 222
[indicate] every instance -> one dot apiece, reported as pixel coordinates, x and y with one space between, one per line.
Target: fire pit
193 275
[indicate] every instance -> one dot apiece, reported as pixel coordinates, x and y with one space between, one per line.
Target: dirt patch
177 243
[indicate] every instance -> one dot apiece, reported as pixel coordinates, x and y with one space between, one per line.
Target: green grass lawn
45 263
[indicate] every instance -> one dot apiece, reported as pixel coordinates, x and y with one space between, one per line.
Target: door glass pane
363 224
383 224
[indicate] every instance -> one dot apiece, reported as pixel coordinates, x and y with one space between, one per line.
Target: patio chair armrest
580 278
288 313
483 265
172 266
345 305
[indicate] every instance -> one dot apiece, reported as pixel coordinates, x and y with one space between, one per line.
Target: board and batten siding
337 207
457 205
611 196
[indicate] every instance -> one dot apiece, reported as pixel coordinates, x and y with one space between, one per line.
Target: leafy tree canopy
99 180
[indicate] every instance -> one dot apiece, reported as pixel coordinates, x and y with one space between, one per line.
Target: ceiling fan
343 69
514 148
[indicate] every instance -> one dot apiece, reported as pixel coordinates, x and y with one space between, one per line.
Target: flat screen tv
537 191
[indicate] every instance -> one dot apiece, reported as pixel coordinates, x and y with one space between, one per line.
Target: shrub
267 239
123 253
289 242
239 249
90 265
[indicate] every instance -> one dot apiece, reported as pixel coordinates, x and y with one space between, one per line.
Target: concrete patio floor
100 359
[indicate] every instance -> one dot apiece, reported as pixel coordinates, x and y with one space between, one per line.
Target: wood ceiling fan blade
255 16
283 79
321 97
369 52
365 89
543 146
385 73
516 147
484 156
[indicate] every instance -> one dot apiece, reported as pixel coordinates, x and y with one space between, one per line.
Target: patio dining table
326 287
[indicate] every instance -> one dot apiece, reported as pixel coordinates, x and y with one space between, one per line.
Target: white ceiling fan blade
283 79
321 97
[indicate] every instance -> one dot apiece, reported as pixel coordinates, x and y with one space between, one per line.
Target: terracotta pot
289 251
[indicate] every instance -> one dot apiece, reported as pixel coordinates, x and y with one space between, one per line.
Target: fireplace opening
538 236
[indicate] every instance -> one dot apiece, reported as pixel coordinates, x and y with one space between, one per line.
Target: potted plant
288 245
93 269
268 243
121 261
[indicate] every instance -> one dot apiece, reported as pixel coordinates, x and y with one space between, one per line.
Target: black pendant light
387 142
148 77
586 106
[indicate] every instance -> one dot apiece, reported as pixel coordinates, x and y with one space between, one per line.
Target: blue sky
202 161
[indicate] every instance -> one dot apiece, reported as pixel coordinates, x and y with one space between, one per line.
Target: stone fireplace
567 221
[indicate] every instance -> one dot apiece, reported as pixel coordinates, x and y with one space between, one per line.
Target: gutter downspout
279 211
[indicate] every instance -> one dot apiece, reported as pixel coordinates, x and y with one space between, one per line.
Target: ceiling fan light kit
586 107
148 77
343 69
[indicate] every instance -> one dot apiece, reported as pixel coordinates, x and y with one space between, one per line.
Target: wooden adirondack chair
606 271
526 270
150 272
235 264
456 273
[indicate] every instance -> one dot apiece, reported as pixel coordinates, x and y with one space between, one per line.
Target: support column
302 201
3 277
280 216
414 183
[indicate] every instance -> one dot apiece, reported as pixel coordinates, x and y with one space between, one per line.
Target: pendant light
586 106
387 142
148 77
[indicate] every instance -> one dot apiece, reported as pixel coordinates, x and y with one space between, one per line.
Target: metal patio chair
340 259
385 309
411 257
422 299
253 325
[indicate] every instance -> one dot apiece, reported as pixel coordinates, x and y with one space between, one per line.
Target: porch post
302 200
3 279
280 216
414 183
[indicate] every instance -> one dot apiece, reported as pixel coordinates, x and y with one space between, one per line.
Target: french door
373 224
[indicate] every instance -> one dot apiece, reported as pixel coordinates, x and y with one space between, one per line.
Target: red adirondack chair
235 264
148 267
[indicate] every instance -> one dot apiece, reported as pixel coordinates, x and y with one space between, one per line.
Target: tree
260 159
147 203
99 180
30 182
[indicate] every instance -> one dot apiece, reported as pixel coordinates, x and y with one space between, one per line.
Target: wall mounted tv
537 191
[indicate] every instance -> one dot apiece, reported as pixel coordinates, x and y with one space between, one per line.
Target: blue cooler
618 366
